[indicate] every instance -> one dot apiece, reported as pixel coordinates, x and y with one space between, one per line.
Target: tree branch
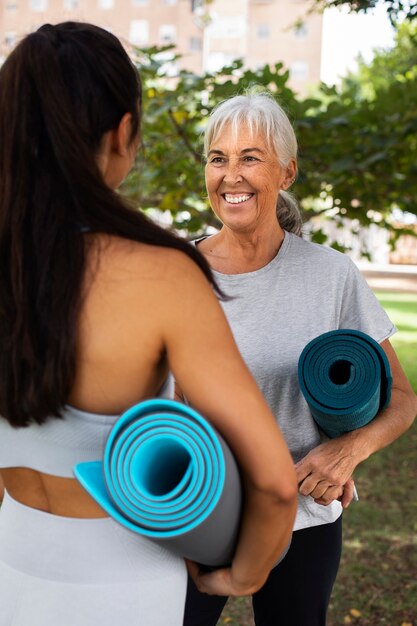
196 155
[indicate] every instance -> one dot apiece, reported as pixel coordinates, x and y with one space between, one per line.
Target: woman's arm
212 375
324 471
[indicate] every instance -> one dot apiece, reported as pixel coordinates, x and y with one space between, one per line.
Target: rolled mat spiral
345 378
168 475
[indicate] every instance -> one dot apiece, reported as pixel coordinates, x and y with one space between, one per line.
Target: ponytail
289 214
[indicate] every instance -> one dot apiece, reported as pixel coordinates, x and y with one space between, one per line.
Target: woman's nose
232 173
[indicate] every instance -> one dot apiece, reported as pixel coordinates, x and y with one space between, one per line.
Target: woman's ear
117 152
122 136
290 174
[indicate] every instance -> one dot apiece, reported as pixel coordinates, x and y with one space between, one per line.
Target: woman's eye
217 160
250 158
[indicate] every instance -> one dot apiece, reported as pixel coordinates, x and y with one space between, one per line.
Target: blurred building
208 35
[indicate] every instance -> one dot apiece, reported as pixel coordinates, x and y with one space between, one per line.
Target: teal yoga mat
167 474
345 378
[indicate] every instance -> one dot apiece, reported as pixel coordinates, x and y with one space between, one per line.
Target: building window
71 5
139 32
167 34
262 31
9 39
38 5
195 44
299 70
140 3
105 4
196 4
228 27
169 3
11 5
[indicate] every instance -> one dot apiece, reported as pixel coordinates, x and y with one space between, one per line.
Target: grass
377 580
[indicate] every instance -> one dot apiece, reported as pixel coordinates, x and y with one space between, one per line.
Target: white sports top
57 445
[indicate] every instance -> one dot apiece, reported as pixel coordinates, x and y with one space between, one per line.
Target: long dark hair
61 89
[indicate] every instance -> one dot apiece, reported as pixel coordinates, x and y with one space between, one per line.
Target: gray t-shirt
306 290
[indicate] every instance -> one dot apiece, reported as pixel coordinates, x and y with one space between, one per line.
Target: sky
347 35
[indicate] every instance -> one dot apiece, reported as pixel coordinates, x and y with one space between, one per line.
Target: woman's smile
237 198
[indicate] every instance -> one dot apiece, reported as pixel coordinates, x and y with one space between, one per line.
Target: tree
387 66
358 142
359 145
396 9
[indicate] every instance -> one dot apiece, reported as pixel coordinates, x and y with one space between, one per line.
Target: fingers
215 582
316 489
322 492
218 582
317 492
347 495
302 470
332 493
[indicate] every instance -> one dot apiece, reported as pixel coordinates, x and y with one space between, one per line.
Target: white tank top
60 443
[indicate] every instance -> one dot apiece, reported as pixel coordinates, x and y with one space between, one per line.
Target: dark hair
61 89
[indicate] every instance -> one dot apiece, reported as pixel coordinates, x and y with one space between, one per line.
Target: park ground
377 580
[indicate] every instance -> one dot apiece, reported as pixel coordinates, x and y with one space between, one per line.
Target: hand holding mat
168 475
345 378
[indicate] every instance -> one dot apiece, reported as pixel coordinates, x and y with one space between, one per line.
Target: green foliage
398 64
396 9
358 141
359 147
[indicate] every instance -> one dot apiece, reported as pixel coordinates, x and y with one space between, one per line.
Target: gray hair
289 214
259 111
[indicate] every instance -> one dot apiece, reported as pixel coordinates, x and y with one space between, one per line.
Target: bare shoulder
134 263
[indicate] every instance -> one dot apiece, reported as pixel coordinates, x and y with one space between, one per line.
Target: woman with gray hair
285 291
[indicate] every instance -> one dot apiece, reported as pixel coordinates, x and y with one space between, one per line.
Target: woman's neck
231 252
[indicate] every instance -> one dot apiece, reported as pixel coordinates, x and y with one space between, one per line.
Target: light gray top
306 290
60 443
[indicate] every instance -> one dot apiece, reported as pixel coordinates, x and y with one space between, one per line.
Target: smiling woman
286 291
244 178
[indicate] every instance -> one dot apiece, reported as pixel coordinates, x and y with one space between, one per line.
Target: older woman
286 291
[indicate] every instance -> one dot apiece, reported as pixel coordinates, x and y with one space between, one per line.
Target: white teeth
237 199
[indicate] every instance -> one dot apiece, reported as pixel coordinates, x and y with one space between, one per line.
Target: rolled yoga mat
345 378
168 475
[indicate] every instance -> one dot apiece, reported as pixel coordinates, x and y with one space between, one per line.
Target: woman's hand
345 498
218 582
325 472
348 493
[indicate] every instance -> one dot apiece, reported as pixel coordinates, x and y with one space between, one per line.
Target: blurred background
346 73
